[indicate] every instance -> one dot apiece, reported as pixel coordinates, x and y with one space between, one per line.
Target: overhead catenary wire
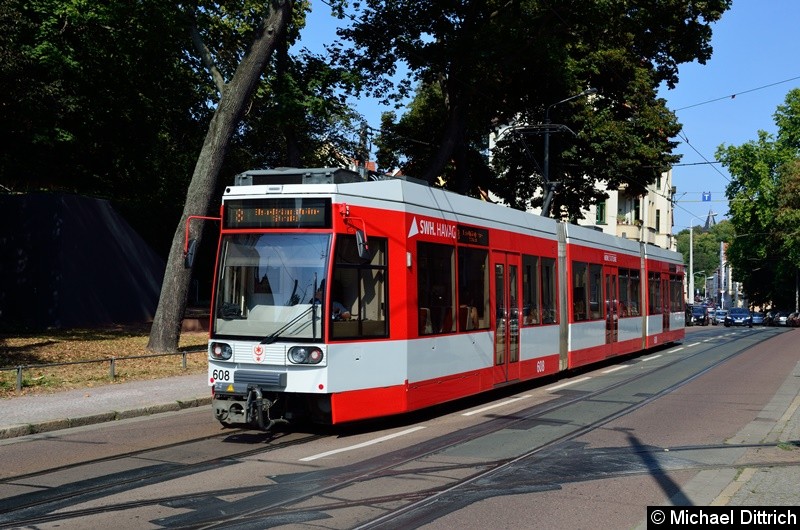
733 96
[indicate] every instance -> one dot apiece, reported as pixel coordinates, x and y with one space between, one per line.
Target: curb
15 431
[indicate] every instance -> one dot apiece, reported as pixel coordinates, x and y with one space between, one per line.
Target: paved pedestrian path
39 413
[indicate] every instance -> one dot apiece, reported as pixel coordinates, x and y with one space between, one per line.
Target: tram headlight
221 351
305 355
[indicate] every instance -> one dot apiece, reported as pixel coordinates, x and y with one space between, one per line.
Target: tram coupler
256 409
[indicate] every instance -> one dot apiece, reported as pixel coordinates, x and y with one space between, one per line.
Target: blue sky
755 58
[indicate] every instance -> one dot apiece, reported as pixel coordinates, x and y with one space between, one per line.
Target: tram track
419 500
52 499
475 432
119 456
313 494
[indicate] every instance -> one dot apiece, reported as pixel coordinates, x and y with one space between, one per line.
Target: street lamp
704 287
691 258
550 187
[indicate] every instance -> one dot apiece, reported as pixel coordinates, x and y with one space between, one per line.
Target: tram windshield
267 285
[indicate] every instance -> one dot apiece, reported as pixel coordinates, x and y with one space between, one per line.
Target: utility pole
550 187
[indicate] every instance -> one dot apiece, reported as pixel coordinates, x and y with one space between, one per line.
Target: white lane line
359 446
616 368
484 409
644 360
568 383
675 350
692 344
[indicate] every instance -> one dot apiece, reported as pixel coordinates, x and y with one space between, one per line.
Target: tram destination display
306 212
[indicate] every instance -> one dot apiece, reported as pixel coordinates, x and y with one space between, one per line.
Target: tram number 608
539 366
221 375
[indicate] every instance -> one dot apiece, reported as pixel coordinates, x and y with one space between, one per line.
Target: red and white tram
447 296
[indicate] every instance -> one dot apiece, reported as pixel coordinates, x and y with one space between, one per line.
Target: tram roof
318 175
413 192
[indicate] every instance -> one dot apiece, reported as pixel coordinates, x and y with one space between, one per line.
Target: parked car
769 318
758 318
780 318
794 319
719 316
699 315
738 316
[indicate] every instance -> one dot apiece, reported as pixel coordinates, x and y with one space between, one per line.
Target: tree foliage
96 102
705 254
764 196
113 100
478 65
117 99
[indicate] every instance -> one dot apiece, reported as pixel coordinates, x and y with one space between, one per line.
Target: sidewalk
745 482
750 484
20 416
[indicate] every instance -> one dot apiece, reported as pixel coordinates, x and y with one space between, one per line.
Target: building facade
647 218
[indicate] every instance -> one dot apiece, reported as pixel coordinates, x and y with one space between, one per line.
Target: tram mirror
188 259
362 245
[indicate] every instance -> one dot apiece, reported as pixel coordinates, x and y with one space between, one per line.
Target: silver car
719 316
781 318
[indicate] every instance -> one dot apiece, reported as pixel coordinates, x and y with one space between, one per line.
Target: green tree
113 100
705 255
477 65
763 196
96 101
299 117
241 48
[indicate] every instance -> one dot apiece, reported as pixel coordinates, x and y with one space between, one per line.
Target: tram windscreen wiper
269 339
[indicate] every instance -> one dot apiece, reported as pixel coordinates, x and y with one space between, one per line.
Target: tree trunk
452 136
165 332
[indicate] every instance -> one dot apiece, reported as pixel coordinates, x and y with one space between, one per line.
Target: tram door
612 306
507 312
665 300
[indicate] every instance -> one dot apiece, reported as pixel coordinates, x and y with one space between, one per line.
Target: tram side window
435 288
473 289
579 291
629 291
624 306
530 290
635 294
549 304
654 293
595 291
362 287
676 293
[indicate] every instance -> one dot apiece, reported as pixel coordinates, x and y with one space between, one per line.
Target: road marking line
616 368
675 350
693 344
568 383
359 446
512 400
651 358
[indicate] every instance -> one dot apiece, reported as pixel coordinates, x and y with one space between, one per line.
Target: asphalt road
676 425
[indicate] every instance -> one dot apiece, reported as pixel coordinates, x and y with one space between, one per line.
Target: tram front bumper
230 403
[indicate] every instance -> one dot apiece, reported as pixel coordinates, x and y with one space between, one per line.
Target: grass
78 346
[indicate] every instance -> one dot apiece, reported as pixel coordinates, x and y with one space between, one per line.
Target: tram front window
266 285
